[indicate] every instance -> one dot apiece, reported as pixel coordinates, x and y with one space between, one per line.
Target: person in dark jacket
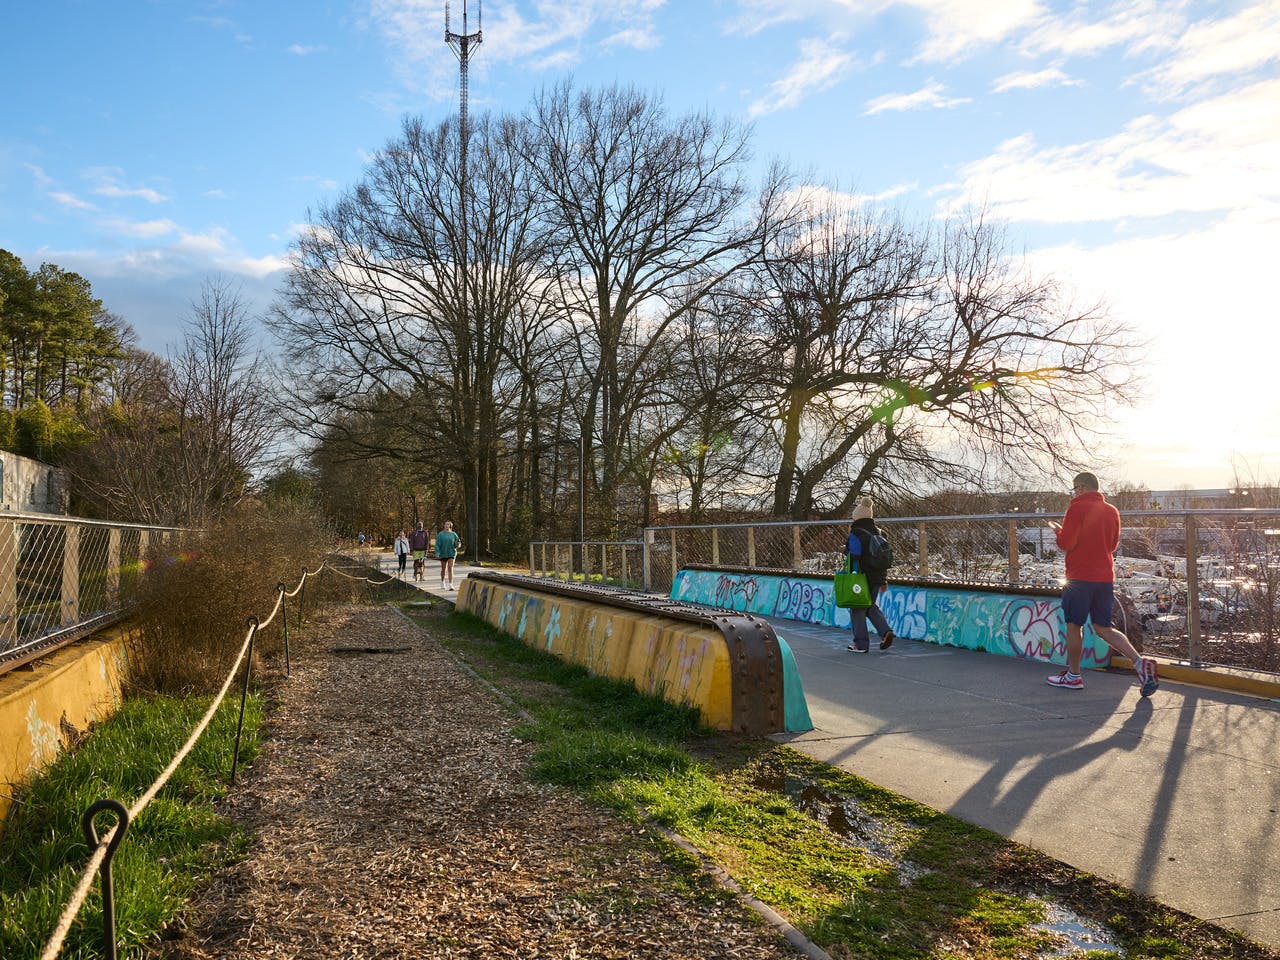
864 526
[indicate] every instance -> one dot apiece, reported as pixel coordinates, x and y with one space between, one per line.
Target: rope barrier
105 844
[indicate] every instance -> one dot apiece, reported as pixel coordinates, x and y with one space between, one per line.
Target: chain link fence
1205 584
58 574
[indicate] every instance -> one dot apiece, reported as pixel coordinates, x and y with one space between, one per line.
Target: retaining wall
1017 624
676 659
44 708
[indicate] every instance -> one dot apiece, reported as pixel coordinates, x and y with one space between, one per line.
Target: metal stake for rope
108 890
244 694
302 595
284 625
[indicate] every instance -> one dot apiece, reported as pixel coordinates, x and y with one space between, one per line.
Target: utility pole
462 44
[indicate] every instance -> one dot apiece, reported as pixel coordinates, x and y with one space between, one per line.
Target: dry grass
191 606
395 818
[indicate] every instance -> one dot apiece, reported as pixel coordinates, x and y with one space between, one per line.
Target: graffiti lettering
803 600
729 590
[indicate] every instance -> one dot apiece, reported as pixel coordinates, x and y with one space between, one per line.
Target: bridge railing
1205 583
60 574
616 562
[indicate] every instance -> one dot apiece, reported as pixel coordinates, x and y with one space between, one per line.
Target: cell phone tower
463 44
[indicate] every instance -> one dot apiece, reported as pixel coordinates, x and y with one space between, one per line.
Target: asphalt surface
1176 796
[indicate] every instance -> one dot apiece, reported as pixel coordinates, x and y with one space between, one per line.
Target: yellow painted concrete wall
680 662
43 709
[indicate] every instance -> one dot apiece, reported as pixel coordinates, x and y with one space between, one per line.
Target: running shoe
1065 681
887 640
1148 676
855 649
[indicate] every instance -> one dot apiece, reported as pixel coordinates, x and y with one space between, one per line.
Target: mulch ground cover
393 817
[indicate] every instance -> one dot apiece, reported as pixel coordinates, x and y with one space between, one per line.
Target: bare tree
910 363
646 214
377 302
179 442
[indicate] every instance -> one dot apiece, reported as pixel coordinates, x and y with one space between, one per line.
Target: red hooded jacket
1089 536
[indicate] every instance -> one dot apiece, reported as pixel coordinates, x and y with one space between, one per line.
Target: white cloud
42 179
957 27
216 194
1212 48
636 38
304 50
143 229
542 35
142 193
1221 154
71 200
1031 80
821 65
1136 26
930 97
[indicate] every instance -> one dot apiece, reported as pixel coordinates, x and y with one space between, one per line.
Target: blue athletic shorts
1084 599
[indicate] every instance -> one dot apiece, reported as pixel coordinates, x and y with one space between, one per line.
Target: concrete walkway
1177 796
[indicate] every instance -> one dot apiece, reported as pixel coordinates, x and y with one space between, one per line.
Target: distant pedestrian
402 551
448 546
1089 535
419 540
360 538
861 531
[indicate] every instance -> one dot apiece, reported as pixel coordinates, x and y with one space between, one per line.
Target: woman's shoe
887 640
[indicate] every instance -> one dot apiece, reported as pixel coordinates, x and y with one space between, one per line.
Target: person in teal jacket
448 546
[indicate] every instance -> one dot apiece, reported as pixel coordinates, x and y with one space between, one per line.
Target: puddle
847 819
844 817
1080 934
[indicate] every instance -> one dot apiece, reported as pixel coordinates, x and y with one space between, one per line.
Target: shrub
193 603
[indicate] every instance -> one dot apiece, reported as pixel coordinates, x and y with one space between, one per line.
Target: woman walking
860 533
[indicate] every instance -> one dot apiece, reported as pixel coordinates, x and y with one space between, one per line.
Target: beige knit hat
863 510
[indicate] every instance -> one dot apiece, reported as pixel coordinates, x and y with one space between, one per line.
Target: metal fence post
674 568
923 564
244 694
544 558
113 566
751 546
1013 551
70 574
8 582
797 555
284 625
645 558
626 579
604 565
715 546
531 567
1193 589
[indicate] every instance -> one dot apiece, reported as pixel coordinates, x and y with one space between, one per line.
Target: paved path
1177 796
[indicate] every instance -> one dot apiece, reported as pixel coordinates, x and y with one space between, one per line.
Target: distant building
31 486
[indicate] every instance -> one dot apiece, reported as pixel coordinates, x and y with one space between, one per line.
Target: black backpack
877 555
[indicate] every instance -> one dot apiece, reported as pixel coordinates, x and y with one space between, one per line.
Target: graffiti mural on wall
1028 627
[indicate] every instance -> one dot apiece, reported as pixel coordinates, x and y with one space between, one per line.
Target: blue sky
1132 147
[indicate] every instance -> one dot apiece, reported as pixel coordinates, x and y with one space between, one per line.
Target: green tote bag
851 588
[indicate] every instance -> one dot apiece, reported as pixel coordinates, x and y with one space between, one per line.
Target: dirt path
393 818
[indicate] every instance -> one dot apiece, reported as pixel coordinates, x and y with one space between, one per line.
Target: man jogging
1089 535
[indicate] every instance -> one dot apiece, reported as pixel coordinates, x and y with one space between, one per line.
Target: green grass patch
177 840
864 872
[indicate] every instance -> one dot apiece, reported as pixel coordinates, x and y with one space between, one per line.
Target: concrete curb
1253 683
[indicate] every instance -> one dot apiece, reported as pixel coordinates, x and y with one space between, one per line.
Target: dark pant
858 617
403 558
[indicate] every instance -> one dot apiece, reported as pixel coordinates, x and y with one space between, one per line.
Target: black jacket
859 531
